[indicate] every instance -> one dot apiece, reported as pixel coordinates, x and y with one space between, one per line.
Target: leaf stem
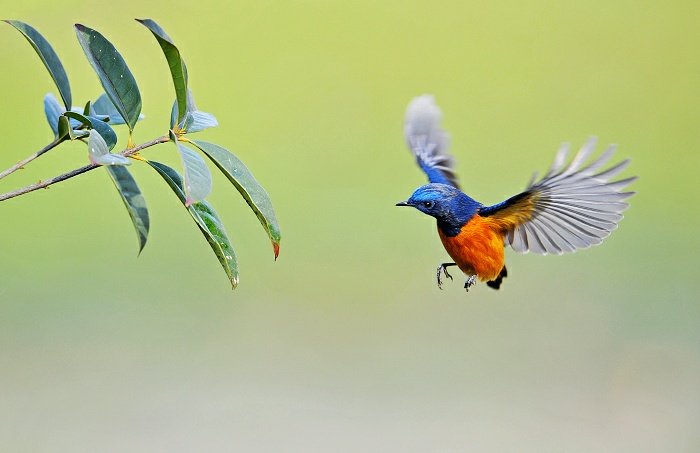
43 184
21 164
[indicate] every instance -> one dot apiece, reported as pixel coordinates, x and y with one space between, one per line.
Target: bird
571 207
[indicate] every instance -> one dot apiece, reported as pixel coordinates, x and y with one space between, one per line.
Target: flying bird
572 207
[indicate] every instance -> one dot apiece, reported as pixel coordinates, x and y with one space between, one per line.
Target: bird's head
451 207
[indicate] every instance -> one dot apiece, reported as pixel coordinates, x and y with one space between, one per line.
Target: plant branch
21 164
44 184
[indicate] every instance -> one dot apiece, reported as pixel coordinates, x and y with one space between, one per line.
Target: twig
21 164
43 184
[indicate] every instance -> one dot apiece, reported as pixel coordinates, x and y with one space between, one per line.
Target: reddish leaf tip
276 248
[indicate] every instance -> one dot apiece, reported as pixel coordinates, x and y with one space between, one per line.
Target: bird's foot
470 282
443 269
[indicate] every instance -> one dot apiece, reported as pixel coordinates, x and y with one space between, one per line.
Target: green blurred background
345 344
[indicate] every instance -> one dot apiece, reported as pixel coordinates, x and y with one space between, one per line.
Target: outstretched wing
569 209
428 142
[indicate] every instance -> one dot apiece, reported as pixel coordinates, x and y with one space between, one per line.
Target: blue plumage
450 206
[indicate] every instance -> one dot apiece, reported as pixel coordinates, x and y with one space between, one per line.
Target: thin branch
43 184
21 164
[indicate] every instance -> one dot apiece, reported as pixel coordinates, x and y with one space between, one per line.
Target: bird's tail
496 283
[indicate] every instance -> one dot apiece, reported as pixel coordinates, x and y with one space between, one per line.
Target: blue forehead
433 192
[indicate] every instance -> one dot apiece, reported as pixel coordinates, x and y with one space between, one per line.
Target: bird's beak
403 203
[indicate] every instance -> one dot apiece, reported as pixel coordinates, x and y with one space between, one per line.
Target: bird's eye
428 204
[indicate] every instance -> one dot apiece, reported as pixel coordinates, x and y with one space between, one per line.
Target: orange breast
478 249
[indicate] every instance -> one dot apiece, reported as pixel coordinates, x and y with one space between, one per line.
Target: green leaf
48 56
178 70
173 115
104 107
97 147
106 132
53 111
99 152
194 120
79 117
206 219
198 121
114 74
254 194
133 200
64 129
197 175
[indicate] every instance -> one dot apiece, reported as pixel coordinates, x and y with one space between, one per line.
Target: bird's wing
570 208
428 142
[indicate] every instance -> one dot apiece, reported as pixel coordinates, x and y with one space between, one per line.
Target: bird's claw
470 282
443 269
